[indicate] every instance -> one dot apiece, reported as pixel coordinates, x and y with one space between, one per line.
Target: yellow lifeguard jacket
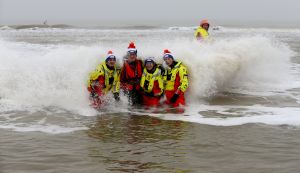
170 77
148 79
112 77
202 32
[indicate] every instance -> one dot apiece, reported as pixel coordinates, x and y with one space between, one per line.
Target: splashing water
35 76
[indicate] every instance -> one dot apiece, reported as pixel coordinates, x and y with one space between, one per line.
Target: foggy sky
151 12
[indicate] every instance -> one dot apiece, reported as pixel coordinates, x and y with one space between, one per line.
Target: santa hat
150 59
131 48
167 54
110 55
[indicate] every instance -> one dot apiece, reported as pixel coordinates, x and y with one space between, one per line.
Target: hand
94 83
174 98
94 94
158 95
117 96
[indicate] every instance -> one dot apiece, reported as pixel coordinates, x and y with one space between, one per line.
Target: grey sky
149 12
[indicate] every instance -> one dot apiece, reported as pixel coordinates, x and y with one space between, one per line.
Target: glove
117 96
94 94
94 84
174 98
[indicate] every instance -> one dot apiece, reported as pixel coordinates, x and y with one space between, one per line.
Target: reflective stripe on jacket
148 81
111 76
176 78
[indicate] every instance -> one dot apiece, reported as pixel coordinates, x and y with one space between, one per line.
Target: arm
116 85
123 74
157 88
101 80
184 83
159 85
197 34
95 75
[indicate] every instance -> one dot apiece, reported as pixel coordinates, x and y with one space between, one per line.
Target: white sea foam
35 76
244 115
5 28
51 129
56 76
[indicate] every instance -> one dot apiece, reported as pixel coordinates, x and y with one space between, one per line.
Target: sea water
242 112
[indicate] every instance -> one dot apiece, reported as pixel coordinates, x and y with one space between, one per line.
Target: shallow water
132 143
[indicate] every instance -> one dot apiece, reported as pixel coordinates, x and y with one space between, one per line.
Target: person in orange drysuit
131 74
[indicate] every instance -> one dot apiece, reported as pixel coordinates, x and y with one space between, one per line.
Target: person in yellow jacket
151 83
104 79
202 31
175 79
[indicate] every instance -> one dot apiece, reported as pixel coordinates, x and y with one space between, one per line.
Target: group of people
144 83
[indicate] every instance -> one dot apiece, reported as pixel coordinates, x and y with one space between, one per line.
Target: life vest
111 77
132 75
176 78
148 79
203 33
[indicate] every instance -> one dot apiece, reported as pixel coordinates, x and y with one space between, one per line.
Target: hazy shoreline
144 26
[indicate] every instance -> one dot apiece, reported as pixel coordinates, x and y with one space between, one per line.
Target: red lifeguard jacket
131 75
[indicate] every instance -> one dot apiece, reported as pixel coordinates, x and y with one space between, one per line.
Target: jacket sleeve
123 74
116 86
183 74
197 32
158 87
101 80
95 74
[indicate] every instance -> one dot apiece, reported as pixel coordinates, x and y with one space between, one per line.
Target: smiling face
205 26
168 60
131 57
149 66
111 62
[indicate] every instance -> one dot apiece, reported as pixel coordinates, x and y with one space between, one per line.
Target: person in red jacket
131 74
151 83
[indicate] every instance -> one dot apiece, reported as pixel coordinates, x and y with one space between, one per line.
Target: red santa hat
131 48
167 54
110 55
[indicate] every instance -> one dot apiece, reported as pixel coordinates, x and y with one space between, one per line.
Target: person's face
149 65
205 26
111 62
169 61
132 57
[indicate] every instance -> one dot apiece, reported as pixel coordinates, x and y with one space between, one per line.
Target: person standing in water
103 80
175 79
131 74
202 31
151 83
